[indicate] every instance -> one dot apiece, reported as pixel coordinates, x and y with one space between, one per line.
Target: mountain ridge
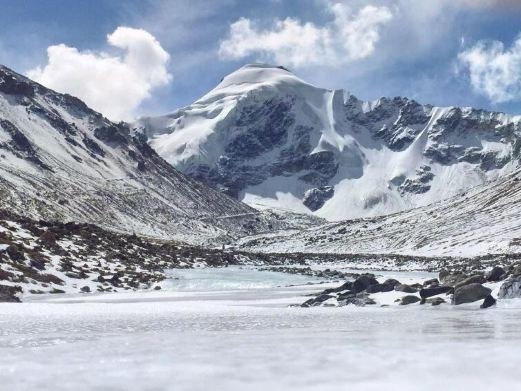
60 160
270 139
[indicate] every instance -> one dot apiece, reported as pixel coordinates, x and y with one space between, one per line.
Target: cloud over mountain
113 83
494 70
350 36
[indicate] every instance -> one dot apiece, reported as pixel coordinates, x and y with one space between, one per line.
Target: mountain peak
252 76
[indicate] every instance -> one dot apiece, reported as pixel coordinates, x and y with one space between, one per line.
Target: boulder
360 300
85 289
436 301
347 286
8 294
386 286
510 289
405 288
363 282
451 279
516 270
431 283
488 302
469 293
496 274
409 299
475 279
429 292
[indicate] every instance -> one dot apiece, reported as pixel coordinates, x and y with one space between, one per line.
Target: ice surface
251 340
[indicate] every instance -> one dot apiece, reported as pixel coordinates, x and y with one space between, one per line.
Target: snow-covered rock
268 138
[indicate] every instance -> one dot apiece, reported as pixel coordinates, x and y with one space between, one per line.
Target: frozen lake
232 329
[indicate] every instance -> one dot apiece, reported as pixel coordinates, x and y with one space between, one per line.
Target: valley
272 234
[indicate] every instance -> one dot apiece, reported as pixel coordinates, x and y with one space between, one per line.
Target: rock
347 286
470 293
431 283
38 264
436 301
488 302
157 288
85 289
316 301
360 300
14 253
475 279
391 282
496 274
315 198
516 270
48 237
443 274
510 289
451 279
363 282
386 286
405 288
409 299
8 294
428 292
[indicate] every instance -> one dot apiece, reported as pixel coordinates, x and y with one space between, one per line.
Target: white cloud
494 70
348 37
114 85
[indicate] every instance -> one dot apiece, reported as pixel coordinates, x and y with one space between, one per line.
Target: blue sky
458 52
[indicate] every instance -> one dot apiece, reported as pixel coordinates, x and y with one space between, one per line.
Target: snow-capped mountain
270 139
60 160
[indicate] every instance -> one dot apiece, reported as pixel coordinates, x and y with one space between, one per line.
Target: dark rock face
113 134
510 289
419 184
11 85
470 293
20 144
315 198
261 128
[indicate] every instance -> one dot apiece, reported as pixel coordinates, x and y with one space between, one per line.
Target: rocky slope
267 137
60 160
39 257
484 220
